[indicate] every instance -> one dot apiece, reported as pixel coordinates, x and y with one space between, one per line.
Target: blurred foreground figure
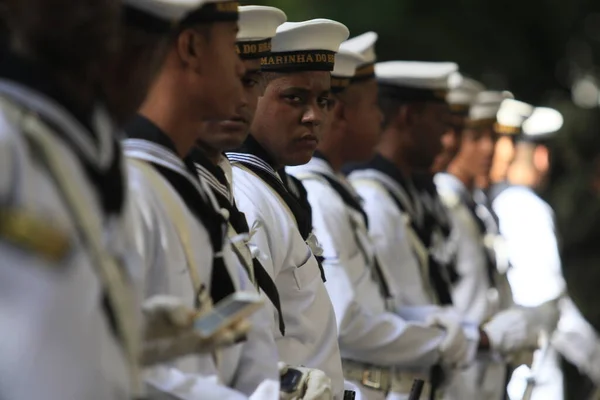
66 307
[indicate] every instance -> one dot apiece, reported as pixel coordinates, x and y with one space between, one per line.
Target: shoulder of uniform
449 198
34 234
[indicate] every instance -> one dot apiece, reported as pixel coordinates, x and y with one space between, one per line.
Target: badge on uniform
33 234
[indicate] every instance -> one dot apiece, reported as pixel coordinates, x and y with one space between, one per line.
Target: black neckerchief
109 182
221 282
254 157
439 282
218 182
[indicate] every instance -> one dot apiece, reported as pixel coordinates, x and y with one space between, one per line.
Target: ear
340 112
541 158
191 48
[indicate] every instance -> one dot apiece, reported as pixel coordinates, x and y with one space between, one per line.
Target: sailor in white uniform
408 239
69 322
481 293
532 248
295 106
258 25
181 230
373 339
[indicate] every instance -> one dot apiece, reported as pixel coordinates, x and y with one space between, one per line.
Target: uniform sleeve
388 232
527 225
366 331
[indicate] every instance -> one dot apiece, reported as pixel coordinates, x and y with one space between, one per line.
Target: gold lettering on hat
227 7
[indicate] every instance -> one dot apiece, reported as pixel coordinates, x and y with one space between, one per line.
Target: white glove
510 331
313 385
455 346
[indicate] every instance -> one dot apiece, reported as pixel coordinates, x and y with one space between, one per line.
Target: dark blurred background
546 52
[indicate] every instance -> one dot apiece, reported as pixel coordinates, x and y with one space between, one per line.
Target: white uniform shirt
367 331
56 342
389 229
167 273
527 225
472 294
311 334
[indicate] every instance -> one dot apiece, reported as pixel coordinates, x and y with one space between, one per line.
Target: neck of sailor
462 174
394 146
331 146
166 107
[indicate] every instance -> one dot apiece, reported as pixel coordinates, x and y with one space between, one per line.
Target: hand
166 316
312 385
455 346
186 343
510 331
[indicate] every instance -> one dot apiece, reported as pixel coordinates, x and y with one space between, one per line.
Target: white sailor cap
414 80
543 123
165 15
258 25
463 92
305 46
511 116
346 63
485 108
365 46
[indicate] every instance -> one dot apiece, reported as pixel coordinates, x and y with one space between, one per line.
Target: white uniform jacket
311 334
473 295
527 225
367 331
56 340
167 225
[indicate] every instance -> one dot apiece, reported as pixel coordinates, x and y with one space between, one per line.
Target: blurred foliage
537 49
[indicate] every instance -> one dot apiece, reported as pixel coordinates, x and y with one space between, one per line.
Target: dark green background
535 48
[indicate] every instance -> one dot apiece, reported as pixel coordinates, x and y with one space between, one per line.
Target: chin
298 159
228 142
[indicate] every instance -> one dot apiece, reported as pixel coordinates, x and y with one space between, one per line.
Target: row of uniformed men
398 286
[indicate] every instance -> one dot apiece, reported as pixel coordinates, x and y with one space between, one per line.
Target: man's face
291 115
222 71
450 143
504 153
430 122
229 134
364 119
476 151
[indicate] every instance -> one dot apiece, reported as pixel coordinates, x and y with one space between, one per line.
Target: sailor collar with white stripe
253 153
212 174
446 182
403 185
88 131
148 142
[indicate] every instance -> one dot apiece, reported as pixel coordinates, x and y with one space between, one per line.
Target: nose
313 115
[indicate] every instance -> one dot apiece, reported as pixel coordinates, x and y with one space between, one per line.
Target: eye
294 99
249 82
325 102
